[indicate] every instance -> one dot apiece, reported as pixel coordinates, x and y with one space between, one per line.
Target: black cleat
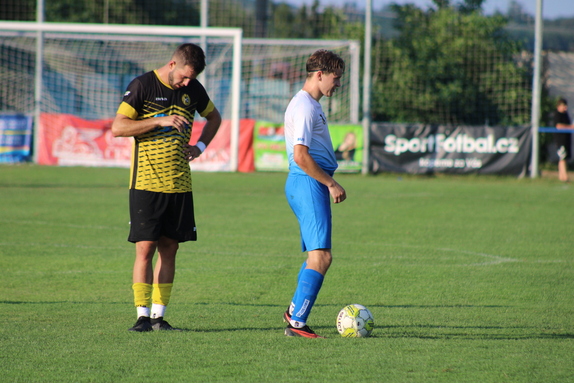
304 332
143 324
158 324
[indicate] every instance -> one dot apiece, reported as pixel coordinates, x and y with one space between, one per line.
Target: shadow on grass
416 331
342 305
484 336
254 304
379 333
473 332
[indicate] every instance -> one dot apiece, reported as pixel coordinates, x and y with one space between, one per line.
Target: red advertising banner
67 140
217 156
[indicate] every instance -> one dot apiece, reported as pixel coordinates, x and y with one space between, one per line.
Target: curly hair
325 61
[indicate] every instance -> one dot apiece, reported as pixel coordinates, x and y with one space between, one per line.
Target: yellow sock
161 293
142 294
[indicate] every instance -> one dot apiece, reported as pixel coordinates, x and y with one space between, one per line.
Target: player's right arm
559 122
124 126
127 122
302 157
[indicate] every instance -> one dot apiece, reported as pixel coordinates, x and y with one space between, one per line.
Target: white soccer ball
355 321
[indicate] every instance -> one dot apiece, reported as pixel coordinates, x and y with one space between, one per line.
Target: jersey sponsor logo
161 98
186 99
164 129
127 93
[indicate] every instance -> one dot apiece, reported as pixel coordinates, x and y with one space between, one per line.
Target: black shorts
153 215
563 143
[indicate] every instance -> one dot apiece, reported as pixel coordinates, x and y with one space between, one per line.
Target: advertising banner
15 138
348 146
67 140
270 154
269 144
424 149
218 154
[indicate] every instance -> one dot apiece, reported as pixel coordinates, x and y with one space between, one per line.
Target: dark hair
326 61
192 55
561 101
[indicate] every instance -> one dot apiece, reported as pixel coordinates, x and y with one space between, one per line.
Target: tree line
449 63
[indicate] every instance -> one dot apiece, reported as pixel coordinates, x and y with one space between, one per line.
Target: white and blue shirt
305 124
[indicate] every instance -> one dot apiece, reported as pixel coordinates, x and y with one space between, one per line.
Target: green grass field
470 279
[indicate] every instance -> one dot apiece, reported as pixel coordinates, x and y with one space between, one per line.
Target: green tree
22 10
230 13
160 12
283 21
337 26
449 65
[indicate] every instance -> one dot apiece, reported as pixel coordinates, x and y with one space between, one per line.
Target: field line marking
496 259
130 248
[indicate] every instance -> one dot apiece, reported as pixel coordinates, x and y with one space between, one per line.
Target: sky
551 9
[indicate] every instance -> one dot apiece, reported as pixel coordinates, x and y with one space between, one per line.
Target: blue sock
292 307
307 290
303 267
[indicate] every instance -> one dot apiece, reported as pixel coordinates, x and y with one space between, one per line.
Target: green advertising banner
270 155
269 147
348 146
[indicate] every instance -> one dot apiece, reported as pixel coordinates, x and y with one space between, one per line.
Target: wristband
201 146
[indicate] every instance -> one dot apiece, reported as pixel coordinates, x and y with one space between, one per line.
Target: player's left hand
337 192
191 152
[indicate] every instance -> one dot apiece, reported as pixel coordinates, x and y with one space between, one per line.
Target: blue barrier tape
554 130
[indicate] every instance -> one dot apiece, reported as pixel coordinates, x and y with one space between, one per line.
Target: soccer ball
355 321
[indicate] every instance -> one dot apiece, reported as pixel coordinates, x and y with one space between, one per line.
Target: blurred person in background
563 140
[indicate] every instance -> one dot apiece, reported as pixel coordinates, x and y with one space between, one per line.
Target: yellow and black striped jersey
158 163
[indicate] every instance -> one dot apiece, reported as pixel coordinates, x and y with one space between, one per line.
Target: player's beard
170 80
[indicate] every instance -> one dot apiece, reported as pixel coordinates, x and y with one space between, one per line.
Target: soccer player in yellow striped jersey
157 110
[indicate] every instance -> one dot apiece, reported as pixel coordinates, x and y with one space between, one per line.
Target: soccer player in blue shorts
310 183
